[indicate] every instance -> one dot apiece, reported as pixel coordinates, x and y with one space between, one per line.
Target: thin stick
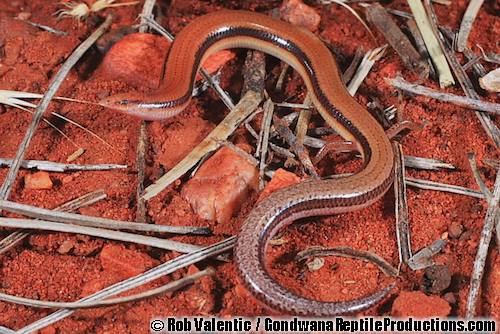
430 185
170 287
402 217
141 212
349 253
264 139
475 172
466 25
44 103
46 28
51 166
82 220
88 199
99 233
482 250
471 103
133 282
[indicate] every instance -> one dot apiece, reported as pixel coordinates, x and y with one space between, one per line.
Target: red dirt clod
418 304
124 262
136 59
281 179
38 181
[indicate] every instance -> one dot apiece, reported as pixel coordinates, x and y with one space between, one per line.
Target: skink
314 62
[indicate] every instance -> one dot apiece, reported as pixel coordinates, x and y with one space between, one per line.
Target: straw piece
432 43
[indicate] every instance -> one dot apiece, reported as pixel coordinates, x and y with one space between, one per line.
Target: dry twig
482 251
51 166
402 217
468 102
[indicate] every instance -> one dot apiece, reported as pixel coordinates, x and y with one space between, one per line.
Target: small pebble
38 181
455 230
316 264
66 246
300 14
24 16
436 279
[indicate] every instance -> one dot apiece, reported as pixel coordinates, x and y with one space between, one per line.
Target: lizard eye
123 102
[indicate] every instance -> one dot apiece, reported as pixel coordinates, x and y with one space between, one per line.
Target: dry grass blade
430 185
432 43
482 251
466 25
146 13
364 68
349 253
82 220
99 233
349 72
44 103
133 282
5 330
477 177
463 101
46 28
427 164
402 217
353 12
140 213
423 258
51 166
170 287
399 42
489 57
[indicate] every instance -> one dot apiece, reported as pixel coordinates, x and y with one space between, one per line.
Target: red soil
37 269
